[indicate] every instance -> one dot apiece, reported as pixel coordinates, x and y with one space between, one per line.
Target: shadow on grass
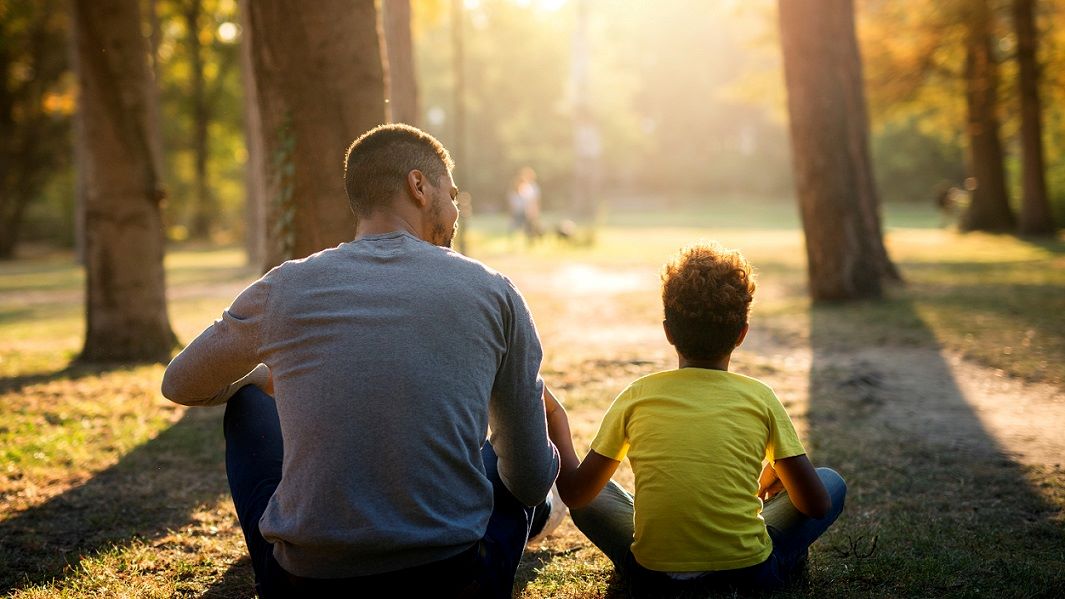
1053 244
153 489
237 582
71 372
532 562
936 505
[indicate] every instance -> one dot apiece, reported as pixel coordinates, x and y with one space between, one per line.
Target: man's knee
247 400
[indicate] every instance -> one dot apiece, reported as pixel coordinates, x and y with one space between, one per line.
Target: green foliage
36 104
665 121
224 99
913 55
687 97
912 165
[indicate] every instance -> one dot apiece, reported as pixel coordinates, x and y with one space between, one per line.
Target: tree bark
126 294
320 83
846 258
989 209
1036 218
402 83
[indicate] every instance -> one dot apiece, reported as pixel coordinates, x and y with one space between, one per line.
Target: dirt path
608 322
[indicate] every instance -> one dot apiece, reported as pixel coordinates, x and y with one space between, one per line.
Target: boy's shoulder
681 374
751 382
689 377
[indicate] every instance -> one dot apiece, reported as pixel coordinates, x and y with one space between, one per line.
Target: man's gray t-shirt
391 358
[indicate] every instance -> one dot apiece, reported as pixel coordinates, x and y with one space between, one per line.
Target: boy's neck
714 364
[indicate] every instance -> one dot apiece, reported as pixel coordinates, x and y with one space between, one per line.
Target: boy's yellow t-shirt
696 439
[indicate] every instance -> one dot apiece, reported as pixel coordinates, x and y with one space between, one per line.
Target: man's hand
268 388
768 483
262 378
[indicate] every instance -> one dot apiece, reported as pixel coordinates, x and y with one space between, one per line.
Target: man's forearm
211 368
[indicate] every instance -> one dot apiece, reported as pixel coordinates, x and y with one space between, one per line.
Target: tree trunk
255 169
989 209
1036 218
126 294
320 83
830 150
204 210
402 84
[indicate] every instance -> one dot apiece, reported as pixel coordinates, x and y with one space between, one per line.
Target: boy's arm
799 478
578 482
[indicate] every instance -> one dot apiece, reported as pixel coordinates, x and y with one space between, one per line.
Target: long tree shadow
151 490
71 372
937 506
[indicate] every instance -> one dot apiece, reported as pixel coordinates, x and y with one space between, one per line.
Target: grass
108 490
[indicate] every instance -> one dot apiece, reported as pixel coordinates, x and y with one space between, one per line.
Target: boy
696 438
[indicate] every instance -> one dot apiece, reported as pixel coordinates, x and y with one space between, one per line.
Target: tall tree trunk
989 209
126 293
402 84
830 150
255 169
1036 218
320 82
204 210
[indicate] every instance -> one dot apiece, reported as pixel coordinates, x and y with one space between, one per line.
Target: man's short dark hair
378 162
707 292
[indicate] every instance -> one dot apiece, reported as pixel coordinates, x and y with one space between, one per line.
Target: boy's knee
835 485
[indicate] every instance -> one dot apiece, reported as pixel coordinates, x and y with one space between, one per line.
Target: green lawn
106 489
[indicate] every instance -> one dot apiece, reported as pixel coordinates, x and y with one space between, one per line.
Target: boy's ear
743 333
669 335
416 188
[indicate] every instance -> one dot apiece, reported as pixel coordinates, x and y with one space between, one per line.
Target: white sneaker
557 515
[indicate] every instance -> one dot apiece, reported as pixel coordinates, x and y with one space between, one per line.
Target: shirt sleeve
225 356
783 440
528 461
612 441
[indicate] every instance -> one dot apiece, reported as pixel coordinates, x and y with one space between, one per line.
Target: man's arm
578 482
225 356
528 461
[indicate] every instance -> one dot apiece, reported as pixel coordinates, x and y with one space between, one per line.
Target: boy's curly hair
707 292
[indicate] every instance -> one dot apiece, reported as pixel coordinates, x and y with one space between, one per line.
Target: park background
934 384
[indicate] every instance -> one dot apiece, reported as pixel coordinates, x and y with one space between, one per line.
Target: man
391 356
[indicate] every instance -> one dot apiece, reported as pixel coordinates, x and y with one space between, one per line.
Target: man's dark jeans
254 452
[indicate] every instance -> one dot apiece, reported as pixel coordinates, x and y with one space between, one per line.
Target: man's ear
417 188
743 333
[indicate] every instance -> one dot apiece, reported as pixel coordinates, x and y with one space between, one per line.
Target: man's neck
380 223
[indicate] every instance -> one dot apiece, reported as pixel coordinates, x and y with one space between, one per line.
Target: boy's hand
769 483
550 402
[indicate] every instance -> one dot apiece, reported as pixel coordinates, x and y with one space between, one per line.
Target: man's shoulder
320 257
468 270
429 260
